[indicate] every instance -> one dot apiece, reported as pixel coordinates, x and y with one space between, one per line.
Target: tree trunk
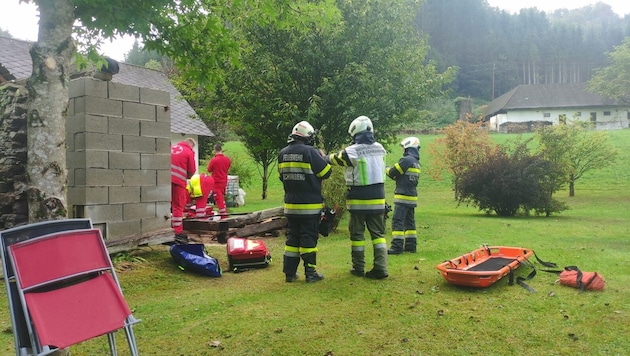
47 111
571 186
265 181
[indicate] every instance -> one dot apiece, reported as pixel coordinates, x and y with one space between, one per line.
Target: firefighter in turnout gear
406 173
364 160
302 168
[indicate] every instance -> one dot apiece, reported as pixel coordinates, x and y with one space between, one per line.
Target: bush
334 190
506 183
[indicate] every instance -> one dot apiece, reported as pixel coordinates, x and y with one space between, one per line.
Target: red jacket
182 163
219 166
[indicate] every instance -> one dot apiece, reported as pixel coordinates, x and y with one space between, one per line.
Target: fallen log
232 221
263 227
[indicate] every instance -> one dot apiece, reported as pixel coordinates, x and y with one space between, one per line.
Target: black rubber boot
410 244
310 262
290 268
397 247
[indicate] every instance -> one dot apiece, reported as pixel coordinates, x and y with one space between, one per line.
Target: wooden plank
235 221
260 228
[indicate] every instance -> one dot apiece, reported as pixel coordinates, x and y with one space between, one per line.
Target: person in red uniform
183 167
218 167
199 188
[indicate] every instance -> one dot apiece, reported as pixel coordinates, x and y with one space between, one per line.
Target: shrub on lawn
506 182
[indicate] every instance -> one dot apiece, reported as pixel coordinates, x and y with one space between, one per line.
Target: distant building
528 107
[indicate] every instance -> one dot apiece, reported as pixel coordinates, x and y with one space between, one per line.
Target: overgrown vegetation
412 312
505 182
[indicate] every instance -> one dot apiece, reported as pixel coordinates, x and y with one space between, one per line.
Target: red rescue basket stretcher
483 267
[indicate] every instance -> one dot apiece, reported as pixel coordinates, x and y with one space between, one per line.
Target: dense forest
496 51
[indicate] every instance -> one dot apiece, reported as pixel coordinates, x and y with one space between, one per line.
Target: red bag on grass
573 277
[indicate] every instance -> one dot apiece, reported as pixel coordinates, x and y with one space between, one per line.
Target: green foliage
241 167
463 146
334 190
576 151
140 56
613 81
506 182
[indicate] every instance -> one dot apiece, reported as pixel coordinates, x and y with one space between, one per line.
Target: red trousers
219 196
178 203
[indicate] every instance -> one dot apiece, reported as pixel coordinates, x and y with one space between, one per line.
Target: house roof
16 64
547 96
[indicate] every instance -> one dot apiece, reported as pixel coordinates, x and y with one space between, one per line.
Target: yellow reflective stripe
378 241
291 249
405 197
410 233
365 201
308 249
397 233
414 170
324 171
358 243
302 165
314 206
398 168
337 159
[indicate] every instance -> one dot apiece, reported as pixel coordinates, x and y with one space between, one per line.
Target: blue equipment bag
194 258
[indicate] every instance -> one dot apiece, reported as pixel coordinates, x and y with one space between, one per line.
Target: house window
546 114
593 117
578 114
606 113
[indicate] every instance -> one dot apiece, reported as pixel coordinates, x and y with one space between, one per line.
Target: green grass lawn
413 312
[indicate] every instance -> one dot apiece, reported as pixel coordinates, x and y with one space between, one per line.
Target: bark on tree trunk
571 188
47 111
265 182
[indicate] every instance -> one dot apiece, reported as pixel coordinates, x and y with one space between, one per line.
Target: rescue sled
483 267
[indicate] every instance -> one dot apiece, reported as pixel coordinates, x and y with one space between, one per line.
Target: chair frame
40 278
22 233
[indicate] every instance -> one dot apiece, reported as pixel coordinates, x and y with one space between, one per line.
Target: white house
528 107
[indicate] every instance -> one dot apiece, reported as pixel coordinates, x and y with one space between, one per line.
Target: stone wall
13 201
118 157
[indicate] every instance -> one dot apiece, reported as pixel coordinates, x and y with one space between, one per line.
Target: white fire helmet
410 142
303 129
360 124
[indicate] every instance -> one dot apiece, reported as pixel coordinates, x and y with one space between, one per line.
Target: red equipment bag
573 277
244 254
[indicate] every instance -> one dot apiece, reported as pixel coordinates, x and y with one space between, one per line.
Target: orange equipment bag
573 277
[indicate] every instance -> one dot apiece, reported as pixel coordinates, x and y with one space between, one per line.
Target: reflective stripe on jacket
365 174
406 173
301 169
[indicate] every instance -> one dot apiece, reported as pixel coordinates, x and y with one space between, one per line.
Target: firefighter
302 168
364 160
405 172
199 188
183 167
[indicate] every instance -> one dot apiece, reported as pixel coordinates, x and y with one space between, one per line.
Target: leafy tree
463 146
139 56
506 182
372 63
576 150
199 35
613 81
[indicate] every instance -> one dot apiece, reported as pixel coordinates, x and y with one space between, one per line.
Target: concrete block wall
118 148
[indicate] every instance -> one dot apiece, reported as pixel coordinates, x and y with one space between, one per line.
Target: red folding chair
69 291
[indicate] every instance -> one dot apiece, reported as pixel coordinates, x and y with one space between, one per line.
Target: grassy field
414 311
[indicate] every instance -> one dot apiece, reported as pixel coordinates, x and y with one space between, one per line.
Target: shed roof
16 64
